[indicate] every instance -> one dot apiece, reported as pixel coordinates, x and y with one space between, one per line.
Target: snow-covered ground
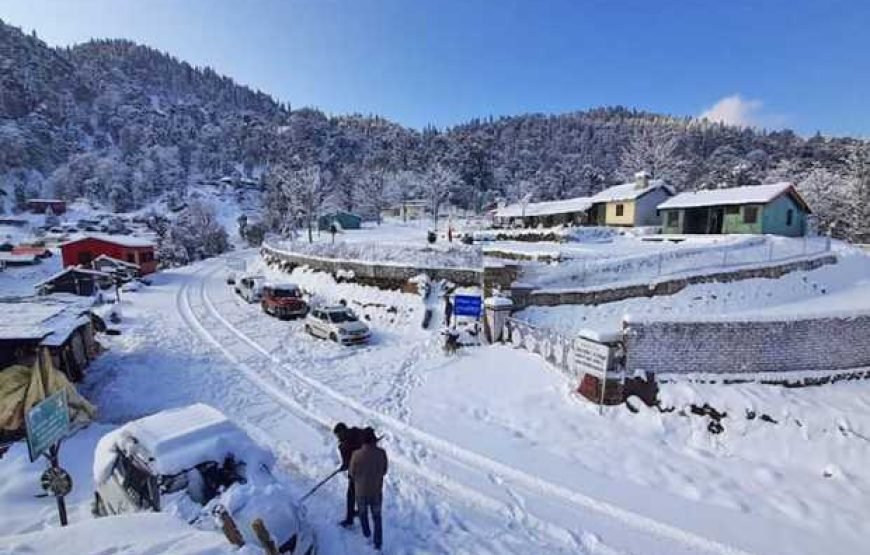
391 242
837 289
18 281
490 451
602 261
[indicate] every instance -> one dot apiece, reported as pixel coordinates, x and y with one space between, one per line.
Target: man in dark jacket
349 440
368 466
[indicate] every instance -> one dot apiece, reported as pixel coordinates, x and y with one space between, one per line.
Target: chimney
641 180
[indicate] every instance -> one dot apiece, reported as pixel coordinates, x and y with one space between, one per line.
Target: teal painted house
344 220
776 209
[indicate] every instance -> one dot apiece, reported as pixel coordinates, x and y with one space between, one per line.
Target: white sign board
591 357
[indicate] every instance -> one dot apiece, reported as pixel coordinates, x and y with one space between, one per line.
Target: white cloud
735 110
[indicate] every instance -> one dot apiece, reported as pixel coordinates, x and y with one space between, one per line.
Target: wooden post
263 536
53 457
228 525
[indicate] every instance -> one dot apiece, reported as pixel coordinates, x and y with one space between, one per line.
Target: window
620 209
673 218
131 258
339 316
286 293
732 209
789 216
750 214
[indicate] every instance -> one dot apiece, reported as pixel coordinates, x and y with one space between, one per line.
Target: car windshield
286 293
340 316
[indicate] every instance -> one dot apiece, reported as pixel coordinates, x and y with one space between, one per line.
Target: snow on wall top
578 204
629 191
757 194
123 240
175 440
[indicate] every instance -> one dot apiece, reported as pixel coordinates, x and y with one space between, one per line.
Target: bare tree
654 149
374 187
437 185
301 195
403 186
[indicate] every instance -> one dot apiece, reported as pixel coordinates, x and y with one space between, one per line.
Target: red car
283 300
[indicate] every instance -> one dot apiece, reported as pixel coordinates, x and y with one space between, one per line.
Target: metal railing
549 344
763 251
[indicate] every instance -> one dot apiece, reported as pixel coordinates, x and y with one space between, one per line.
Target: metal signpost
591 357
467 305
47 423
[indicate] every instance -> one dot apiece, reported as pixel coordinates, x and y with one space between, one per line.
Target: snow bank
834 290
132 534
454 255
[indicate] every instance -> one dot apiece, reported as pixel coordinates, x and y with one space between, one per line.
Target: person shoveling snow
368 466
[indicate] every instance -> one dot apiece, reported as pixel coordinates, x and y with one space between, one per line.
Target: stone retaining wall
600 295
830 343
383 275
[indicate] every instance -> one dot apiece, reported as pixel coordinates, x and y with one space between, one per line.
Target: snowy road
528 509
457 485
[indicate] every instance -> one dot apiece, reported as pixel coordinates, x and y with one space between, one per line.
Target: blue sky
800 64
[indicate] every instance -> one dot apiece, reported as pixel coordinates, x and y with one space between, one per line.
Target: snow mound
132 534
175 440
452 255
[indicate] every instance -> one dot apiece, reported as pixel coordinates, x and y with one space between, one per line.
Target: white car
250 288
195 463
337 323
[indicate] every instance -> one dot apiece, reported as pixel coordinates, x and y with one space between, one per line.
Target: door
85 258
321 326
714 225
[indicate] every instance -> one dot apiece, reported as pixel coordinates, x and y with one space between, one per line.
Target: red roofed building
135 250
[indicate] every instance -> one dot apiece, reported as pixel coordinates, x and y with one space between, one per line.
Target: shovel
319 484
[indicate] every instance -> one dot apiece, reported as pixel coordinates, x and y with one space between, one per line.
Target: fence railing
593 272
552 346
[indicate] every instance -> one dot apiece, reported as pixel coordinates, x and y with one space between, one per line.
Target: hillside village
563 344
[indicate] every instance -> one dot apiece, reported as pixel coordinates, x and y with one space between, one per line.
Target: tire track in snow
448 450
323 424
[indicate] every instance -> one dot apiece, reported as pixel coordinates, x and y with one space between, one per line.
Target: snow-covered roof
123 240
175 440
72 269
51 320
757 194
630 191
18 258
547 208
116 261
45 200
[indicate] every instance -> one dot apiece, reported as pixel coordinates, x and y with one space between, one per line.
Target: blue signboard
466 305
47 422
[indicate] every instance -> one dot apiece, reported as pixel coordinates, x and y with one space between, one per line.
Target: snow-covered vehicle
195 463
250 288
337 323
283 300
